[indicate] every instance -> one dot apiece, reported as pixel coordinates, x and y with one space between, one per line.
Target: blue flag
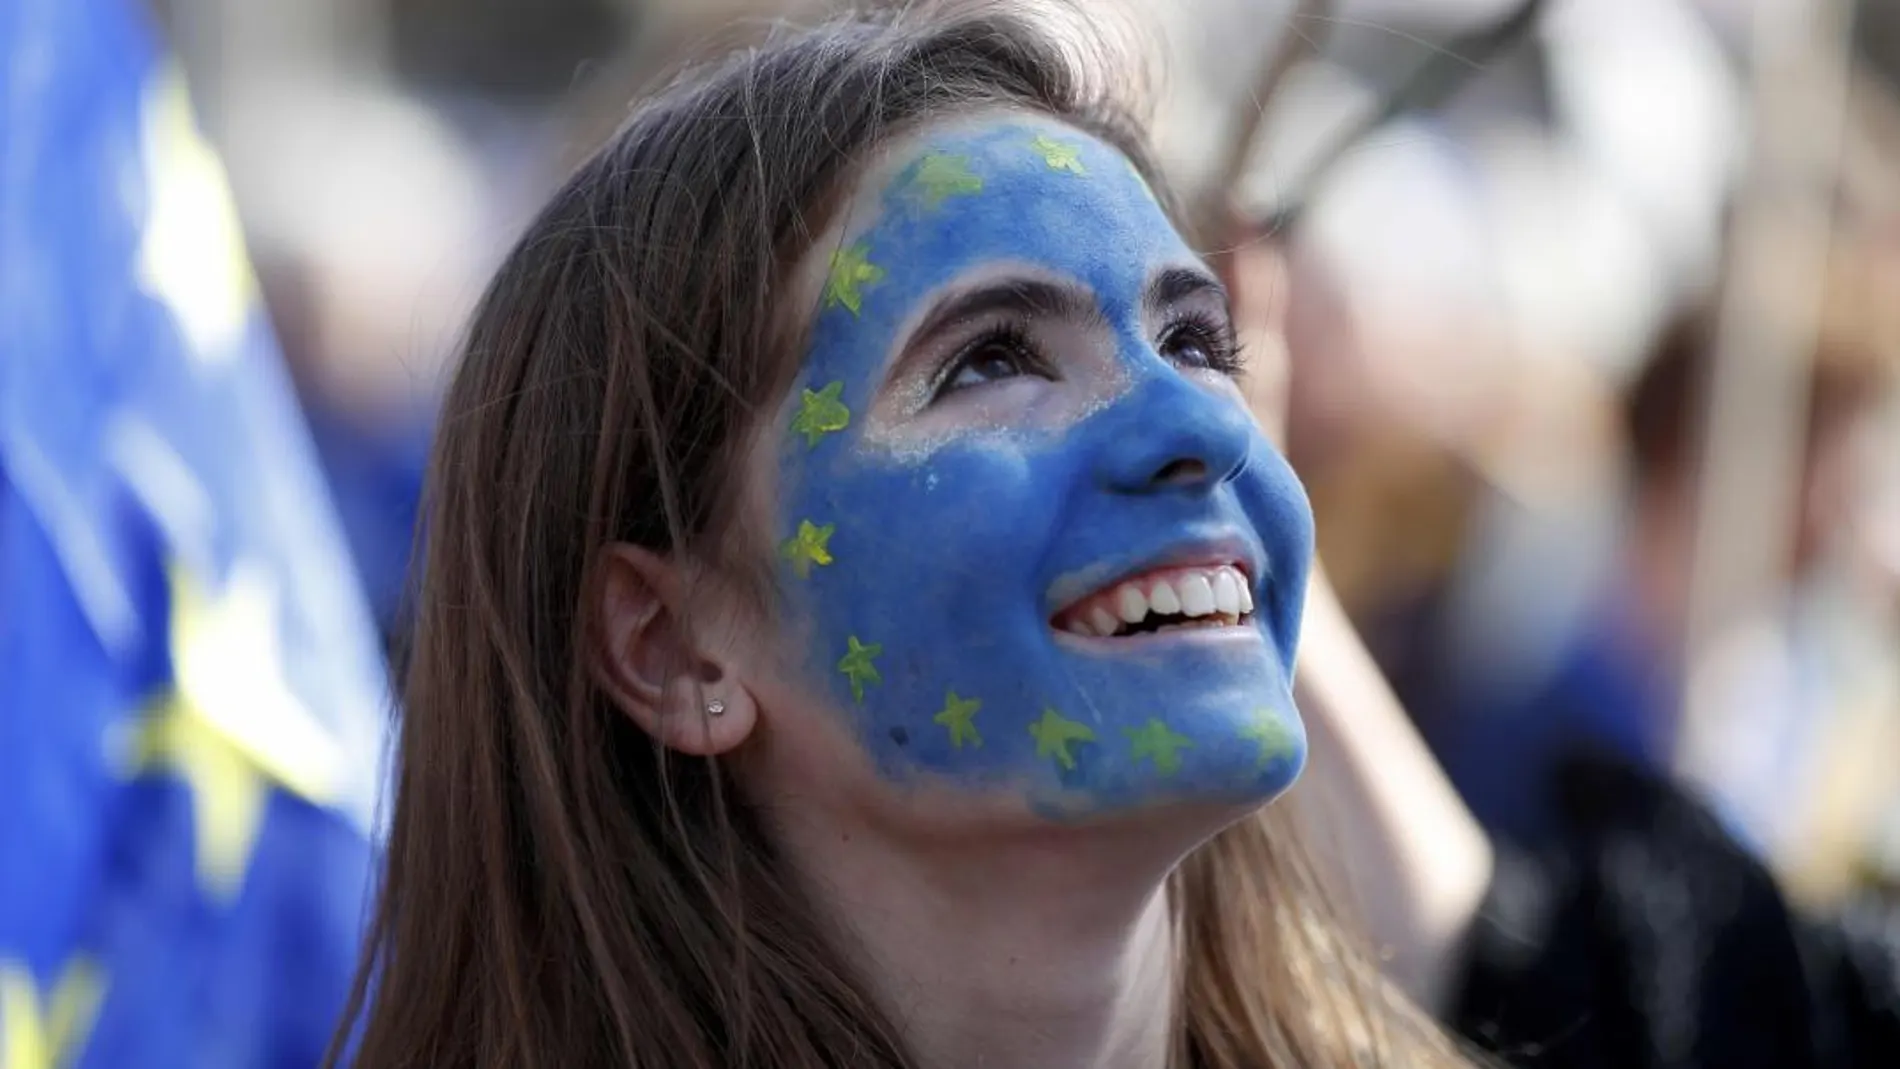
192 701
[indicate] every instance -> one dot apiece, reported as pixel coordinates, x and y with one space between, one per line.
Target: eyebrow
1026 297
1039 297
1177 284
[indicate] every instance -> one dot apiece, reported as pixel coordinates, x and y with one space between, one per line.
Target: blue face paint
927 542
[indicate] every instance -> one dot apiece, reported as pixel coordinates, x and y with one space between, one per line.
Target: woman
858 612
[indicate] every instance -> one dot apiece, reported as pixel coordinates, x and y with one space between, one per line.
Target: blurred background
1593 341
1594 316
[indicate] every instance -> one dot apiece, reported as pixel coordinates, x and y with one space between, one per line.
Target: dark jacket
1643 937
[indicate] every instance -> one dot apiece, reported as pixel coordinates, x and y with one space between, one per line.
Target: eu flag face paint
1033 539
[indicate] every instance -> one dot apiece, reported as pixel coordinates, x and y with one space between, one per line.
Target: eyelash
1213 334
1215 337
1008 337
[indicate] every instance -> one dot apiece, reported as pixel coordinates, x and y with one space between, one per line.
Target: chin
1171 813
1214 800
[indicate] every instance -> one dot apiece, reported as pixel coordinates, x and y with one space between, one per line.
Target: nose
1172 434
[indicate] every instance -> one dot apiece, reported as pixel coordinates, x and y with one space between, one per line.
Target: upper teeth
1193 592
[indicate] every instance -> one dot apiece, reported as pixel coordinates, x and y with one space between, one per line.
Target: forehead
1005 188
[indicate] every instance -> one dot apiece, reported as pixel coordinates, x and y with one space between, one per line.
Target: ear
661 659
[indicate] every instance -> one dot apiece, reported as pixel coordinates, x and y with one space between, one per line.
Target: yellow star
959 716
808 547
1272 735
1053 734
940 176
851 269
1154 741
1058 156
34 1039
820 413
230 726
191 253
857 667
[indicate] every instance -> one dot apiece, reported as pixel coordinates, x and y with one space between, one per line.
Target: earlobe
647 658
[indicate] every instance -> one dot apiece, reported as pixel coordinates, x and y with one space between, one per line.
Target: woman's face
1030 541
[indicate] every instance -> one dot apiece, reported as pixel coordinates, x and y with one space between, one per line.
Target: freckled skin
948 533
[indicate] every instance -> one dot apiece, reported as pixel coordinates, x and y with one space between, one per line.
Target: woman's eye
1183 347
1199 345
989 361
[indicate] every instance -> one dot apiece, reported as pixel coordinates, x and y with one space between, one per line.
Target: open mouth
1166 599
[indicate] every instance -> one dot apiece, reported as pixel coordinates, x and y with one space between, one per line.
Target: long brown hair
560 890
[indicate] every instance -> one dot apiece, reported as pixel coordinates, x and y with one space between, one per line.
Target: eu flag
192 699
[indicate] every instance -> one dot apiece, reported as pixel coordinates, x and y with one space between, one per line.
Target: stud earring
715 708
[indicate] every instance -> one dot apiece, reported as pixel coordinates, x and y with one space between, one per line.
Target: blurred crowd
1592 347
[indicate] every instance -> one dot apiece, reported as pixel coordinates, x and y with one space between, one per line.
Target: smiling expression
1033 540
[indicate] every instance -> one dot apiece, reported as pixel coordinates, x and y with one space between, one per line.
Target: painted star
1058 156
230 726
43 1037
851 269
1272 735
940 177
1154 741
811 545
959 716
857 667
1053 734
820 413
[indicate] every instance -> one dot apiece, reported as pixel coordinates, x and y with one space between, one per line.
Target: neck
1019 956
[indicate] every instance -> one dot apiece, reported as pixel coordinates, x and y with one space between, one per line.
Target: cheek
907 532
1276 504
925 558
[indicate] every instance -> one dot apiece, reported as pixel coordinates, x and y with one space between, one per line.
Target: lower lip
1152 640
